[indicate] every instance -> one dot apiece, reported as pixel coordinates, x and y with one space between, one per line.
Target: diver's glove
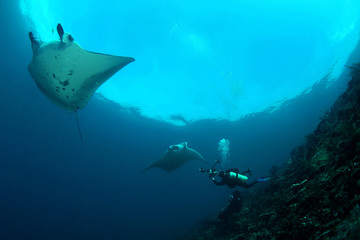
212 173
249 172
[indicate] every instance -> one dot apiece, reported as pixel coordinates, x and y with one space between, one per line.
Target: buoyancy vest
238 178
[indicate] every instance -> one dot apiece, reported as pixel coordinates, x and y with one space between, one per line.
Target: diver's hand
211 173
249 172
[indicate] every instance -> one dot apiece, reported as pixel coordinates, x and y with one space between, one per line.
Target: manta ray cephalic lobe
175 156
68 74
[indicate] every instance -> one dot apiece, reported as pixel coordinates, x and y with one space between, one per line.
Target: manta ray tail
78 127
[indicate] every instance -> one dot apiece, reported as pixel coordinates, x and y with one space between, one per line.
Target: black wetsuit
234 206
233 179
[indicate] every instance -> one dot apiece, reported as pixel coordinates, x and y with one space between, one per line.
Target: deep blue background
53 187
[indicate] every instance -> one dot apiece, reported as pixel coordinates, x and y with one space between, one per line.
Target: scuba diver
232 177
234 206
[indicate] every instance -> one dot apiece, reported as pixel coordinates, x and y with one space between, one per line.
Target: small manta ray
175 156
69 75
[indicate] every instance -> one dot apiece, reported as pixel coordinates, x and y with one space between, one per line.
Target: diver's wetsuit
233 179
234 206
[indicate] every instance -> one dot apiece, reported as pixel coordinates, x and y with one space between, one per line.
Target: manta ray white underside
69 75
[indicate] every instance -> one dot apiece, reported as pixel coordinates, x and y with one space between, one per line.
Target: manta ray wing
194 155
69 75
175 157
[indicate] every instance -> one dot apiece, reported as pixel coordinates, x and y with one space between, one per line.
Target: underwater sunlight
222 61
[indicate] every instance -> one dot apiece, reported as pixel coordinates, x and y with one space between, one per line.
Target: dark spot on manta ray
67 96
57 90
64 83
70 58
57 86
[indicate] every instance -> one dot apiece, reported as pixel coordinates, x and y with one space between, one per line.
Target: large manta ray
175 156
69 75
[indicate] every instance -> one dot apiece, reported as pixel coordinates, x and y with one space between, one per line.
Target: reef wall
316 195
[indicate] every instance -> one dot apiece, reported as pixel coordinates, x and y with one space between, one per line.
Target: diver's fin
264 179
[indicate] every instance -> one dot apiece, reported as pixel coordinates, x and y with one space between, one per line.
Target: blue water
54 187
224 60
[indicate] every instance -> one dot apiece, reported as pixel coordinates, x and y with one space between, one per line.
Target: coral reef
316 195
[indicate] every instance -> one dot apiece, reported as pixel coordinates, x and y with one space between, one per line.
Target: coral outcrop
316 195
